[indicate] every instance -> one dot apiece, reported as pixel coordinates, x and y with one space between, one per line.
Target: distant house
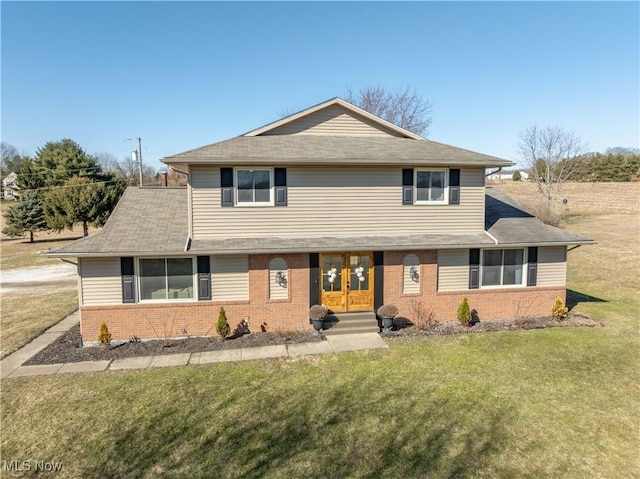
508 176
10 187
331 205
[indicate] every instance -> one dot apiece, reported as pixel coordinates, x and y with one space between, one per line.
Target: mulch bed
66 349
406 329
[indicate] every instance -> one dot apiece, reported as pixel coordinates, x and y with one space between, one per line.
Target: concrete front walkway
11 366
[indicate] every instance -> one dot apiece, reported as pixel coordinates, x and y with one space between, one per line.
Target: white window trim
167 300
445 195
525 268
253 204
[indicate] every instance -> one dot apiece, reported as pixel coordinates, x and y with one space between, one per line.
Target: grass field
25 316
561 403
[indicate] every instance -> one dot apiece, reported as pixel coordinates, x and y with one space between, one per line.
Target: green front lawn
551 403
557 403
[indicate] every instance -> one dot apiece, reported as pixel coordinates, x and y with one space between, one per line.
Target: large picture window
254 186
166 278
431 186
502 267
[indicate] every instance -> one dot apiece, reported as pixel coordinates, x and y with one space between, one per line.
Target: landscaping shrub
222 327
559 310
464 313
516 176
104 336
422 317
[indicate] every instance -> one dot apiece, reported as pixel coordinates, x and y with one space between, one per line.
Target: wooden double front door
346 281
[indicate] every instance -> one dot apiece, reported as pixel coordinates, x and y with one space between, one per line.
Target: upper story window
254 186
502 267
431 186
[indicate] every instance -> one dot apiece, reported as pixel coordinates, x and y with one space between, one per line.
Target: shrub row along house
331 205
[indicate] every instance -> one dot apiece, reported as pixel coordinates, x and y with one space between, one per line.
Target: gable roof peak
326 104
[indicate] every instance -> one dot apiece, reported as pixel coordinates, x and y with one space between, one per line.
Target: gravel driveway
39 279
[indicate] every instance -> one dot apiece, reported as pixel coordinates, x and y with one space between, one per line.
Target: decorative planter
317 325
387 324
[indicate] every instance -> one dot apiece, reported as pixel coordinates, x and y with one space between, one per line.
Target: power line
106 182
45 172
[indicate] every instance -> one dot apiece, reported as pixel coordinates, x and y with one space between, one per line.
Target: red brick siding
152 320
489 303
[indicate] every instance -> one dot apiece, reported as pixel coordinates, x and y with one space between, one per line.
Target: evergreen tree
81 200
26 215
58 161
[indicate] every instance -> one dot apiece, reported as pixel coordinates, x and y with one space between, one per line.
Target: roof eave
334 162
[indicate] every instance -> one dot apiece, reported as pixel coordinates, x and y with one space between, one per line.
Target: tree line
63 186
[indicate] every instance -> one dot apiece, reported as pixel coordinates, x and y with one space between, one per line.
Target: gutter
493 172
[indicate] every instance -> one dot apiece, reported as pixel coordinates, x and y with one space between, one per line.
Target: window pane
513 259
422 179
152 279
245 196
245 180
180 278
261 179
422 185
437 185
493 257
262 186
361 262
491 267
491 275
328 263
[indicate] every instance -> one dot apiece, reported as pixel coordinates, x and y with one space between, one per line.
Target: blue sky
181 75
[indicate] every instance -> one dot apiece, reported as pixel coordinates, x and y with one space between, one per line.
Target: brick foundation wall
198 318
499 303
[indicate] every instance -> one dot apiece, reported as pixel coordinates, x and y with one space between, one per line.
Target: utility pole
138 156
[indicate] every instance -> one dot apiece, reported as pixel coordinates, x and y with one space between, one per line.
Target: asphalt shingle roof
332 150
146 220
511 225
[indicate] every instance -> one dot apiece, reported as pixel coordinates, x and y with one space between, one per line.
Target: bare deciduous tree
405 107
127 169
552 155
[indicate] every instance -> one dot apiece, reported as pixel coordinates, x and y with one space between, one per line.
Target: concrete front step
351 323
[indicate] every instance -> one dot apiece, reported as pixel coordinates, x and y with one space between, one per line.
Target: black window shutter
474 268
378 279
280 184
532 266
226 186
128 280
454 186
314 279
204 278
407 186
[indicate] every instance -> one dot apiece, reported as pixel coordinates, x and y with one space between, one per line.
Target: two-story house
331 205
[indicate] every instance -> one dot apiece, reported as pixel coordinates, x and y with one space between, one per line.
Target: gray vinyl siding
453 269
230 278
552 266
336 201
100 281
333 120
275 290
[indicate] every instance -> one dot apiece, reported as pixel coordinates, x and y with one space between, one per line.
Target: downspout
576 246
493 172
